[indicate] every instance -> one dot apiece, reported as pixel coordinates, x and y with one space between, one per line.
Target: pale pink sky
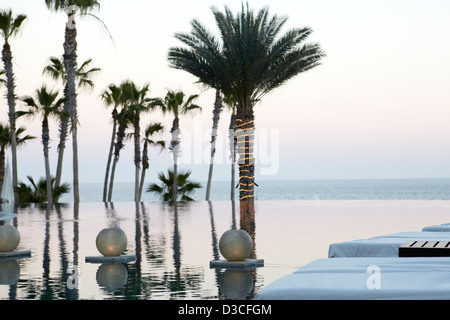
378 107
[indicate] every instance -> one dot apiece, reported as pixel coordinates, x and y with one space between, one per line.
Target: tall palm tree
255 59
124 119
137 102
84 74
203 59
111 97
175 104
185 187
10 26
5 142
46 105
152 129
73 8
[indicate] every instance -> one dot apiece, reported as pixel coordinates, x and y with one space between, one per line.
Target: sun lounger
382 246
383 278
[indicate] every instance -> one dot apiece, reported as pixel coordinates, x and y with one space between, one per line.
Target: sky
377 107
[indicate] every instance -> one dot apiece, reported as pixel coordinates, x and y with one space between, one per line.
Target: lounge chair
382 278
382 246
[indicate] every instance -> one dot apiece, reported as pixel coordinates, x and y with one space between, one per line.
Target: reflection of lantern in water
9 272
112 276
9 238
111 242
236 284
235 245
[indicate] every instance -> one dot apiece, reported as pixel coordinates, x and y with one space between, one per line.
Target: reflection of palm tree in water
46 293
71 294
215 246
50 290
111 215
247 221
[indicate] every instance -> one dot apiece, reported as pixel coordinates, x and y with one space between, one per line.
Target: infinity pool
173 249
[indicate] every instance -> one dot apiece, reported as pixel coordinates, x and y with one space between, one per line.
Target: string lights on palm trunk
245 136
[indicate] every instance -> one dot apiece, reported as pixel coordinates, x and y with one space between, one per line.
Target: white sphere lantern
9 238
111 242
235 245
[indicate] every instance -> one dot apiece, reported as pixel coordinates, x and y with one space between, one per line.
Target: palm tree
5 141
111 97
46 105
55 69
137 102
73 8
184 189
9 27
83 74
123 118
255 58
203 59
174 103
152 128
36 192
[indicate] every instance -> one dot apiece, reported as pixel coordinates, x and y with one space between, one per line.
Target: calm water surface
173 249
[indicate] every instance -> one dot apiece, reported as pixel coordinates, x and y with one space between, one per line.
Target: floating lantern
235 245
111 242
9 238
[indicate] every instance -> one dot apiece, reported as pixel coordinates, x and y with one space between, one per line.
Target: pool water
173 248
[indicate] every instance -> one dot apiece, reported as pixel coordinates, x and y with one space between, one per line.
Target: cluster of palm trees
10 26
248 59
129 103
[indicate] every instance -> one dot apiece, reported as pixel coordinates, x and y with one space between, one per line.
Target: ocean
364 189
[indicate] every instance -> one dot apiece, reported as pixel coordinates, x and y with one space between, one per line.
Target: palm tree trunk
110 154
145 166
70 61
117 147
175 146
137 156
2 168
76 189
63 128
245 141
111 181
45 143
216 116
232 136
10 86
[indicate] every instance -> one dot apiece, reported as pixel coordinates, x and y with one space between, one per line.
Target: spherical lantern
9 238
112 276
235 245
111 242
